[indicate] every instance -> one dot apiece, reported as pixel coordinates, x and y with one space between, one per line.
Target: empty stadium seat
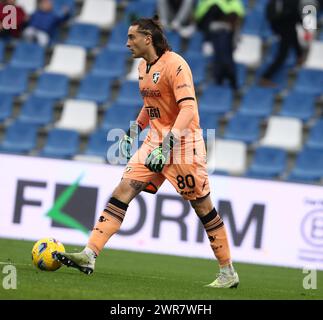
267 163
298 105
19 138
13 80
78 115
198 66
51 85
227 156
284 133
94 88
314 57
136 9
28 56
118 37
216 99
308 166
258 101
110 64
174 40
6 102
248 51
195 44
129 94
98 144
253 23
68 60
37 110
29 6
101 13
243 128
83 35
309 81
208 123
61 144
315 137
119 116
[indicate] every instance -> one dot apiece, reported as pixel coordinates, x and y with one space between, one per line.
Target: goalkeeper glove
157 158
125 144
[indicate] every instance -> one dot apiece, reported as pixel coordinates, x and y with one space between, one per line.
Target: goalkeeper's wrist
134 131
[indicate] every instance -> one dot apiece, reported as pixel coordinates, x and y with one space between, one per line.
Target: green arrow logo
57 215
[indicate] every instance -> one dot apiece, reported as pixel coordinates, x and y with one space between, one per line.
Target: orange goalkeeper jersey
166 86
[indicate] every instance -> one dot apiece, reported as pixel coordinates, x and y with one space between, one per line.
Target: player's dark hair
152 27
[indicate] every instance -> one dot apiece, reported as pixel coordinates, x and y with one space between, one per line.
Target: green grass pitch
129 275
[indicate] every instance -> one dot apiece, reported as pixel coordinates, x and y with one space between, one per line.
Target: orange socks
109 223
216 232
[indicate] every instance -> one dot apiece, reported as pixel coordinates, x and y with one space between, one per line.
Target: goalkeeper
173 149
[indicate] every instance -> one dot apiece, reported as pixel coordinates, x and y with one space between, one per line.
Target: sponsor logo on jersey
147 93
153 112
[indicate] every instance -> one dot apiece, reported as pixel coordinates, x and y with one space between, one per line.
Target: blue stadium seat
6 103
120 116
243 128
61 143
258 101
195 44
2 47
216 99
118 37
129 94
198 67
309 81
27 55
19 138
13 80
253 23
137 9
308 166
51 85
98 144
110 64
315 138
84 35
267 163
37 110
298 105
174 40
95 89
208 121
59 6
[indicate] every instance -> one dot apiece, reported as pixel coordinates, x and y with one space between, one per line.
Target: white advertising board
268 222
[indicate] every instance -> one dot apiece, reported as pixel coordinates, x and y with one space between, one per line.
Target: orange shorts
187 173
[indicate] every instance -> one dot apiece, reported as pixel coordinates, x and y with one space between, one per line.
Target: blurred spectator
283 16
177 15
21 17
220 20
44 23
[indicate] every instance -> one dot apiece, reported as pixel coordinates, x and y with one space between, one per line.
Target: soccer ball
43 254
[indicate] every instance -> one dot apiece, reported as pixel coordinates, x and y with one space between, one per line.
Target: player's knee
202 206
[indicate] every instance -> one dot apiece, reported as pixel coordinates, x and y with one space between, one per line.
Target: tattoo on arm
137 185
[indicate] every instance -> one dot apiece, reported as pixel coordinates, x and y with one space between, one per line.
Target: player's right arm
125 144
